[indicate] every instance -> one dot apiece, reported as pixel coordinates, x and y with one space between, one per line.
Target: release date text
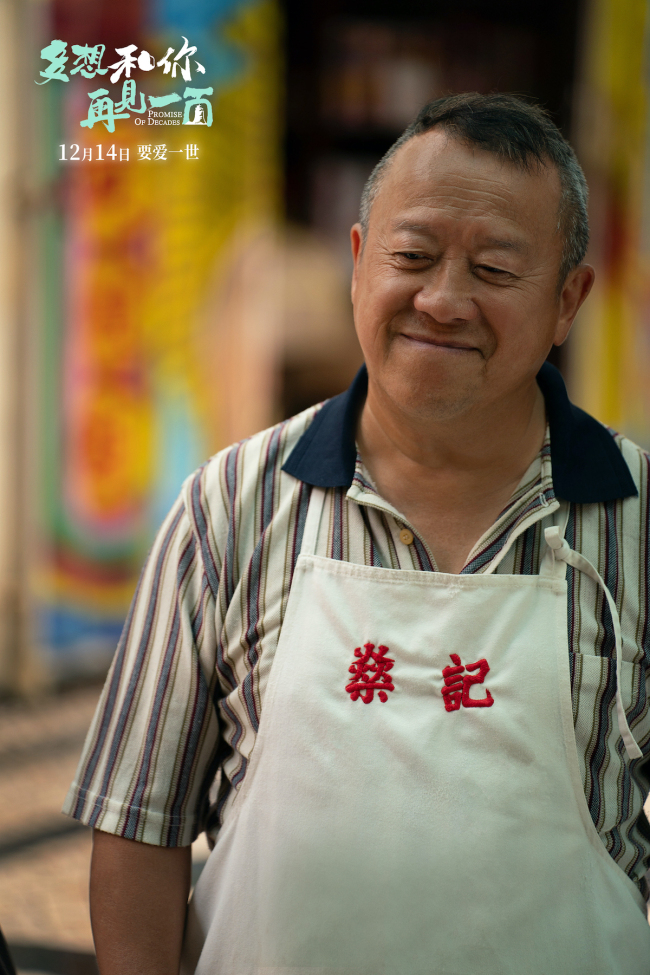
101 153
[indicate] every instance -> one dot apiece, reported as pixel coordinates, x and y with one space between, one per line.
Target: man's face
455 291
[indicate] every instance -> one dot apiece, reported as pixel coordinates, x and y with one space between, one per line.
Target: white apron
413 804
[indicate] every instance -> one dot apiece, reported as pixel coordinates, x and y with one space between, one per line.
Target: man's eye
410 256
492 270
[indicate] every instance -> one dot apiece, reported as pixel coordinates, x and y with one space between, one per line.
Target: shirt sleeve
149 757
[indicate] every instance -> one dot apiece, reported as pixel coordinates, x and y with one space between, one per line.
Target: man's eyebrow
496 243
513 244
417 228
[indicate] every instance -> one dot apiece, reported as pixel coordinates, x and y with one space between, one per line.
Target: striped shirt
177 722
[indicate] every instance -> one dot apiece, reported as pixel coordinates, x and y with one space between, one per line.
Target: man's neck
451 478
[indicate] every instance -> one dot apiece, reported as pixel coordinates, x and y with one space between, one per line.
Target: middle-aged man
405 633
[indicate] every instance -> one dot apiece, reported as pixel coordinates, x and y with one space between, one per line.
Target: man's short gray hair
511 129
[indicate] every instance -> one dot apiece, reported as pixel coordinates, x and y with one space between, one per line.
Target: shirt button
406 536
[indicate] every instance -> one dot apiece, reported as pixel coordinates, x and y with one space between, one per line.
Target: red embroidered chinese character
370 674
457 685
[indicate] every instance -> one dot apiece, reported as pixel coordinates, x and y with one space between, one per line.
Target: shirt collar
586 462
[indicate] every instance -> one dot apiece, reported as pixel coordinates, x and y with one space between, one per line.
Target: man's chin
439 410
435 404
433 394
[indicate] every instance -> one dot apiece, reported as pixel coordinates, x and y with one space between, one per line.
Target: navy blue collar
587 465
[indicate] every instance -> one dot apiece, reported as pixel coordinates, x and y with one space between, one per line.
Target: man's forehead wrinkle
484 240
424 205
476 191
445 180
486 217
479 205
490 197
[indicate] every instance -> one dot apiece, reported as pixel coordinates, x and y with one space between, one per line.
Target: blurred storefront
146 217
168 293
154 155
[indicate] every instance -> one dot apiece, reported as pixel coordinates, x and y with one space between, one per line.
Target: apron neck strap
313 520
558 555
553 566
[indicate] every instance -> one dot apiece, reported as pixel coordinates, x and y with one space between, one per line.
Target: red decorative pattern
457 684
370 674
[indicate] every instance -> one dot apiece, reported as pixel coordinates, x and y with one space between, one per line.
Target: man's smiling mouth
440 343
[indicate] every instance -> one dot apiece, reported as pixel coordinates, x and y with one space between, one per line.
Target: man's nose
447 293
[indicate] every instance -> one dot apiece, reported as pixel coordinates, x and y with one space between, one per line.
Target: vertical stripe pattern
178 719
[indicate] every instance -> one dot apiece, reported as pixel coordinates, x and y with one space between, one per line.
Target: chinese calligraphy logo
370 673
197 109
458 683
89 60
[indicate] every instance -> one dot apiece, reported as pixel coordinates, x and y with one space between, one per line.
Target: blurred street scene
43 857
163 294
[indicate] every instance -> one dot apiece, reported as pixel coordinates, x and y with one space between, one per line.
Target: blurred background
164 294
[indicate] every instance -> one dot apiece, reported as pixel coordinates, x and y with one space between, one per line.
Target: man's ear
575 289
356 242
